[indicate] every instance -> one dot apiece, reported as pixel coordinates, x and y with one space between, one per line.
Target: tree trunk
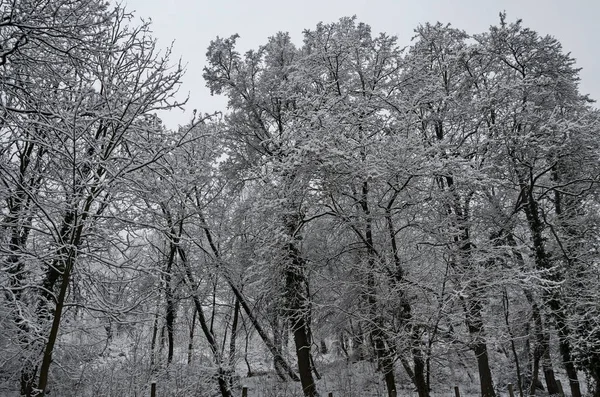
172 239
277 356
222 375
535 370
543 262
191 335
565 351
70 238
566 206
542 348
551 384
378 337
595 374
418 373
60 302
298 308
303 353
27 379
513 347
459 209
357 342
170 309
474 323
420 380
262 333
234 332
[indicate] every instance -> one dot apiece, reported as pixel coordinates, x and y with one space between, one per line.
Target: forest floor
360 379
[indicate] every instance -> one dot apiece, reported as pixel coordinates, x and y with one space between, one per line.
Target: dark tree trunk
222 375
250 373
173 240
298 308
191 336
314 367
383 351
567 206
513 347
278 357
420 380
170 309
16 273
234 332
475 327
70 238
459 209
595 373
485 374
535 370
551 384
419 371
542 345
357 340
303 353
27 380
542 349
232 342
543 262
565 351
52 338
153 342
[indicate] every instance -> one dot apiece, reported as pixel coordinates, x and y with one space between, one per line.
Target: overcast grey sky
191 24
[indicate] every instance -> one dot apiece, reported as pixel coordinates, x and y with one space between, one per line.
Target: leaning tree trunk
52 338
277 356
71 235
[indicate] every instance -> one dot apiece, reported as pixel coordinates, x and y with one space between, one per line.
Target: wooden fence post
244 391
510 390
153 389
456 391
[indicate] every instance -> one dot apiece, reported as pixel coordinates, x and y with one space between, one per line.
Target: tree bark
475 327
419 369
70 240
459 208
512 342
60 301
543 262
170 302
222 375
298 308
378 337
277 356
234 332
191 335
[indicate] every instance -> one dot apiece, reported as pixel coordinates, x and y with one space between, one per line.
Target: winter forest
368 216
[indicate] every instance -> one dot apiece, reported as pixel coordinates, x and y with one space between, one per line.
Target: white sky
192 24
